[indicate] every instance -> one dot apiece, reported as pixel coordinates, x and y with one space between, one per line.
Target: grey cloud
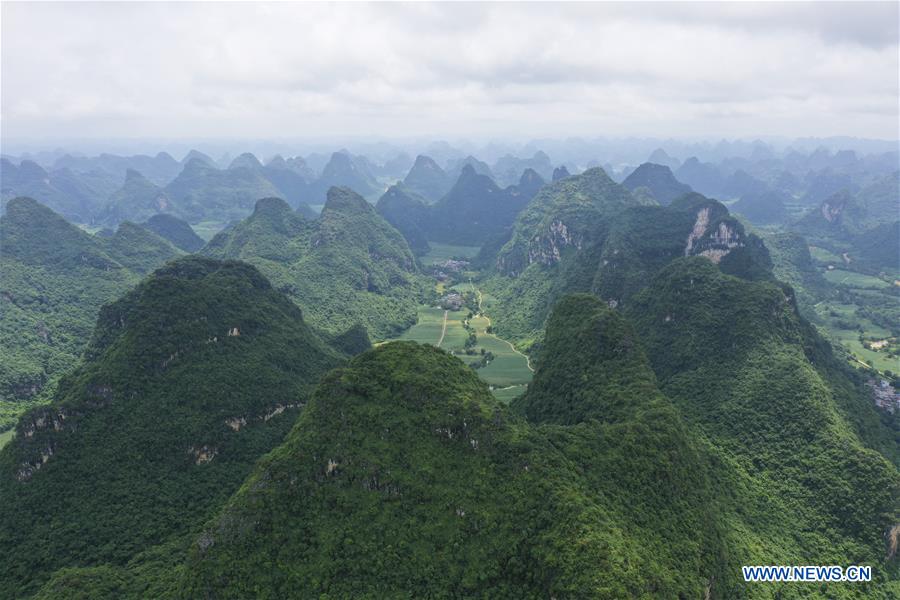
181 70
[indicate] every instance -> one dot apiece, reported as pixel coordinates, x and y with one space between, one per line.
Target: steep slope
793 264
838 215
598 238
202 192
740 184
560 217
55 278
188 380
879 200
475 209
659 180
176 231
137 200
138 249
428 179
291 177
348 267
440 492
796 429
481 167
560 172
342 171
409 213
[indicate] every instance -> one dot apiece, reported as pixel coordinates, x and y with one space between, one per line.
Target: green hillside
403 477
55 279
188 379
348 267
590 235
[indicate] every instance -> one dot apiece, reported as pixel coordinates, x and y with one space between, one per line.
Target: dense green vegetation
55 279
78 198
188 379
795 425
346 268
587 234
408 212
137 200
201 191
178 232
701 399
403 477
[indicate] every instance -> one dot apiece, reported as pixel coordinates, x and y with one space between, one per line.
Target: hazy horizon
136 71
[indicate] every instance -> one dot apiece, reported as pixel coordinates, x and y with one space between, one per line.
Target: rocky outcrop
546 249
712 242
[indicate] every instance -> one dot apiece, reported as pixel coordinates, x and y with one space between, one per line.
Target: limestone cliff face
569 213
713 241
832 209
547 247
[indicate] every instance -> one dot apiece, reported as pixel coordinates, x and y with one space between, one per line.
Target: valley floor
506 370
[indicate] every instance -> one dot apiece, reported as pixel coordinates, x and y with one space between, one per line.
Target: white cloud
259 70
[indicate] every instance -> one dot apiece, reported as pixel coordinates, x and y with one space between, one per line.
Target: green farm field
508 373
855 280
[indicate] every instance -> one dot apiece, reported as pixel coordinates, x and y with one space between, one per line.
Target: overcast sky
183 70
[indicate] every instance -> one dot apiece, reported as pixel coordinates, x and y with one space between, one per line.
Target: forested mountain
620 447
342 171
560 216
137 200
409 213
202 191
838 215
427 179
55 279
474 211
187 381
477 502
658 181
697 393
588 234
76 198
348 267
178 232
